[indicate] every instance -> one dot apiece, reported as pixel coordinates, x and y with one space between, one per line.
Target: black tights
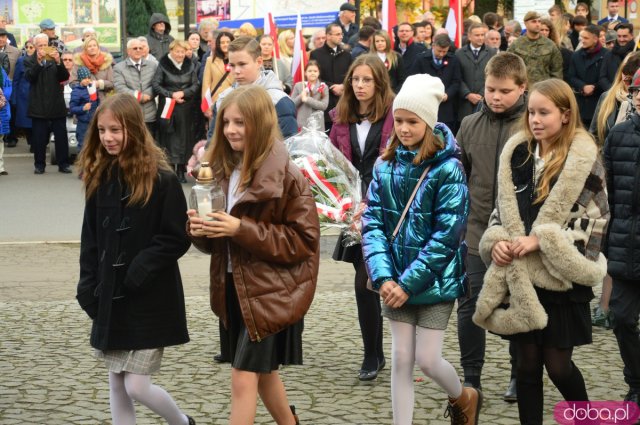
369 317
564 374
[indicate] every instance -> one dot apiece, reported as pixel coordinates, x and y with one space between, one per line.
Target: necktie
475 53
138 67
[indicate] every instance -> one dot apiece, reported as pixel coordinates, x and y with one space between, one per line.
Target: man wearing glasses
334 63
133 76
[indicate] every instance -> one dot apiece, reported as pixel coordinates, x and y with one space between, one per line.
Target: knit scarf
93 63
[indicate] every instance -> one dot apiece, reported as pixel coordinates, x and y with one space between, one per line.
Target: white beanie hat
421 94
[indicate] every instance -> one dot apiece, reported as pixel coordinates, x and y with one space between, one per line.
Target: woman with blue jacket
419 267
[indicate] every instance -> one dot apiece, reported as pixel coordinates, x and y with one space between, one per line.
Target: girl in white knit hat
413 245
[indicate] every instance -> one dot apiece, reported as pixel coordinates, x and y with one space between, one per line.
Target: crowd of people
501 175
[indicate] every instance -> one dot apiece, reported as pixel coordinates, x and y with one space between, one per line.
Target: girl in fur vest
419 267
264 252
544 246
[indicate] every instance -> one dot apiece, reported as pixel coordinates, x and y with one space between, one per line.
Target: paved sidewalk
49 376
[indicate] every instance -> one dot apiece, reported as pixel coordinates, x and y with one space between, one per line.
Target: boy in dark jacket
83 103
158 36
481 138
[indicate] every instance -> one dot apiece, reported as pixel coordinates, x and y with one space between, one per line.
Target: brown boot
465 410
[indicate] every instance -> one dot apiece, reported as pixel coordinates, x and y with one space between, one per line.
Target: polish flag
93 92
299 54
207 101
389 18
454 22
167 111
271 29
138 95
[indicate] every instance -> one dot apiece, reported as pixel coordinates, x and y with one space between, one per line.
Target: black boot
181 170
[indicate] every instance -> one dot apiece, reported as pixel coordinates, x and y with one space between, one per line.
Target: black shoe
634 396
220 358
65 170
38 171
511 395
191 420
3 173
11 143
370 375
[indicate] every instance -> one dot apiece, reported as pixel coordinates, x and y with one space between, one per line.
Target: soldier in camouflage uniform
541 55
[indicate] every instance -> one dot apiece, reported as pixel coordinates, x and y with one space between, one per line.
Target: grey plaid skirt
433 316
140 362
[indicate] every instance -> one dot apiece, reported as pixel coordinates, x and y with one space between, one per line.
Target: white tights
415 345
126 387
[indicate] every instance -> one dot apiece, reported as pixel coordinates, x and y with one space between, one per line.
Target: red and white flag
299 53
454 22
167 111
271 29
389 18
138 95
207 101
93 92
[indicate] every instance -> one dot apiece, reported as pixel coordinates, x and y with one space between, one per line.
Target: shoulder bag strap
406 207
219 82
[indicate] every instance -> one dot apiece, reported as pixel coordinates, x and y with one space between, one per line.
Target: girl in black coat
392 60
132 238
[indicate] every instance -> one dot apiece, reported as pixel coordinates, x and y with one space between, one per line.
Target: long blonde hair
285 50
392 56
608 105
561 95
139 159
261 131
430 145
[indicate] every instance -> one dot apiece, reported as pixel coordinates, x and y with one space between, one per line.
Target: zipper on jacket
495 168
406 178
253 320
634 222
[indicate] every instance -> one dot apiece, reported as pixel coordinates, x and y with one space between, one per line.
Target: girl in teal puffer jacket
420 271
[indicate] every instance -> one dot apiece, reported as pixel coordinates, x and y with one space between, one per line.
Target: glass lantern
206 195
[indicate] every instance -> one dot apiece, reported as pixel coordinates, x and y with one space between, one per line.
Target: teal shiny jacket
427 257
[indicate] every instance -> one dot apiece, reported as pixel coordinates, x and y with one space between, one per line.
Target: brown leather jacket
276 253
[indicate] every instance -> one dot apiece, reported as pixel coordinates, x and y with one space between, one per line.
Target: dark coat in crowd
449 74
410 54
46 95
130 283
622 162
20 95
472 72
611 62
333 68
178 134
585 70
159 43
397 73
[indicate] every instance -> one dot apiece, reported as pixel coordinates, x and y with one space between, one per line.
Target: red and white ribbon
340 206
138 95
167 111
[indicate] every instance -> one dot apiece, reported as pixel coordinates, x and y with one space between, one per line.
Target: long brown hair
140 157
347 106
261 131
561 95
392 56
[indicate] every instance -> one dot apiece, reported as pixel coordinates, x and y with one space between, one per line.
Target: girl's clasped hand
222 224
392 294
505 251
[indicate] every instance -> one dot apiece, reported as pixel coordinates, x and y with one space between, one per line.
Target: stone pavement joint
48 374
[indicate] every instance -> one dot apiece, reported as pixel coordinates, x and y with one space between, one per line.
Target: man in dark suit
473 59
610 21
584 72
334 63
439 62
614 57
406 46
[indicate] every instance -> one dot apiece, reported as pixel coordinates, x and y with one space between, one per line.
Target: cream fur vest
575 213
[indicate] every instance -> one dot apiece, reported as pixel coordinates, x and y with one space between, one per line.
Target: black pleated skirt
266 355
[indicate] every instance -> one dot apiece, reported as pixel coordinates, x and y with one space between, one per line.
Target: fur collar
557 207
108 60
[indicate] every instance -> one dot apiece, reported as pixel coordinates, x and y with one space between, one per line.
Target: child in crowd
481 138
264 252
544 244
419 267
362 125
132 238
81 104
245 63
311 95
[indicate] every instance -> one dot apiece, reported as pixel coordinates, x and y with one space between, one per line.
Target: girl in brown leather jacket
264 251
